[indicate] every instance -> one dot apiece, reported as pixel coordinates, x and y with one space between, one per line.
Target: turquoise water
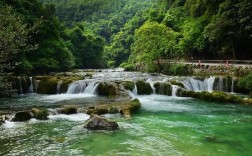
164 126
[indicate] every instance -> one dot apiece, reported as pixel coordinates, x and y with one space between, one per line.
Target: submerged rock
22 116
40 114
96 122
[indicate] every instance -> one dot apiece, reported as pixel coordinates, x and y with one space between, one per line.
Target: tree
153 41
13 41
230 30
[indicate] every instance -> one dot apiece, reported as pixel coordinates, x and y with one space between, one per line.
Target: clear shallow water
164 126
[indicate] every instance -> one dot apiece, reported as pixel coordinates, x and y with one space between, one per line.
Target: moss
143 88
47 85
105 89
113 110
40 114
163 88
247 101
22 116
66 81
126 108
177 83
68 110
128 85
214 96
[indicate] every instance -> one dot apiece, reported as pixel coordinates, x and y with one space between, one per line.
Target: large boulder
96 122
22 116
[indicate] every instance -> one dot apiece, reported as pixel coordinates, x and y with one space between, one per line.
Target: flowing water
165 125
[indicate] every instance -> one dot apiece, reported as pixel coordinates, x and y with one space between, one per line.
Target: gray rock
96 122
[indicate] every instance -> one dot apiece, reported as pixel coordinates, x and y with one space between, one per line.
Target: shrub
246 82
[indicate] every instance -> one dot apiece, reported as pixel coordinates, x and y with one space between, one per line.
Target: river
165 125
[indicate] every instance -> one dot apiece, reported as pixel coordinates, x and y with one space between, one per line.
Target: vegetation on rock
96 122
22 116
68 110
40 114
143 88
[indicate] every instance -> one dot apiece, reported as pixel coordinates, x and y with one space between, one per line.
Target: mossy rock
128 85
22 116
143 88
68 80
181 92
247 101
107 89
177 83
126 108
96 122
163 88
216 96
40 114
47 85
68 110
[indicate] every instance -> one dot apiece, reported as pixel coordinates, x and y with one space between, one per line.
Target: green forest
43 36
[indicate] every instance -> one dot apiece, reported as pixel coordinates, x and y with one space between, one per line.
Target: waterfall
58 86
30 90
220 86
209 83
174 90
36 83
76 87
134 91
194 85
152 85
232 85
197 85
91 88
83 87
20 85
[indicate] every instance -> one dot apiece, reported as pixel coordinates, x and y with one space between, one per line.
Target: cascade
174 90
226 85
232 85
209 83
58 86
30 90
152 85
36 83
82 86
91 88
20 85
197 85
194 85
220 86
134 91
76 87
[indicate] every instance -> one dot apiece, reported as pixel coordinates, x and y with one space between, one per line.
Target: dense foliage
42 36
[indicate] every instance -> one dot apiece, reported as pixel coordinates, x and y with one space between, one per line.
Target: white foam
163 103
72 117
63 97
10 124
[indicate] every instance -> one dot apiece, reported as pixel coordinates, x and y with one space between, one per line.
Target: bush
127 66
246 82
177 69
